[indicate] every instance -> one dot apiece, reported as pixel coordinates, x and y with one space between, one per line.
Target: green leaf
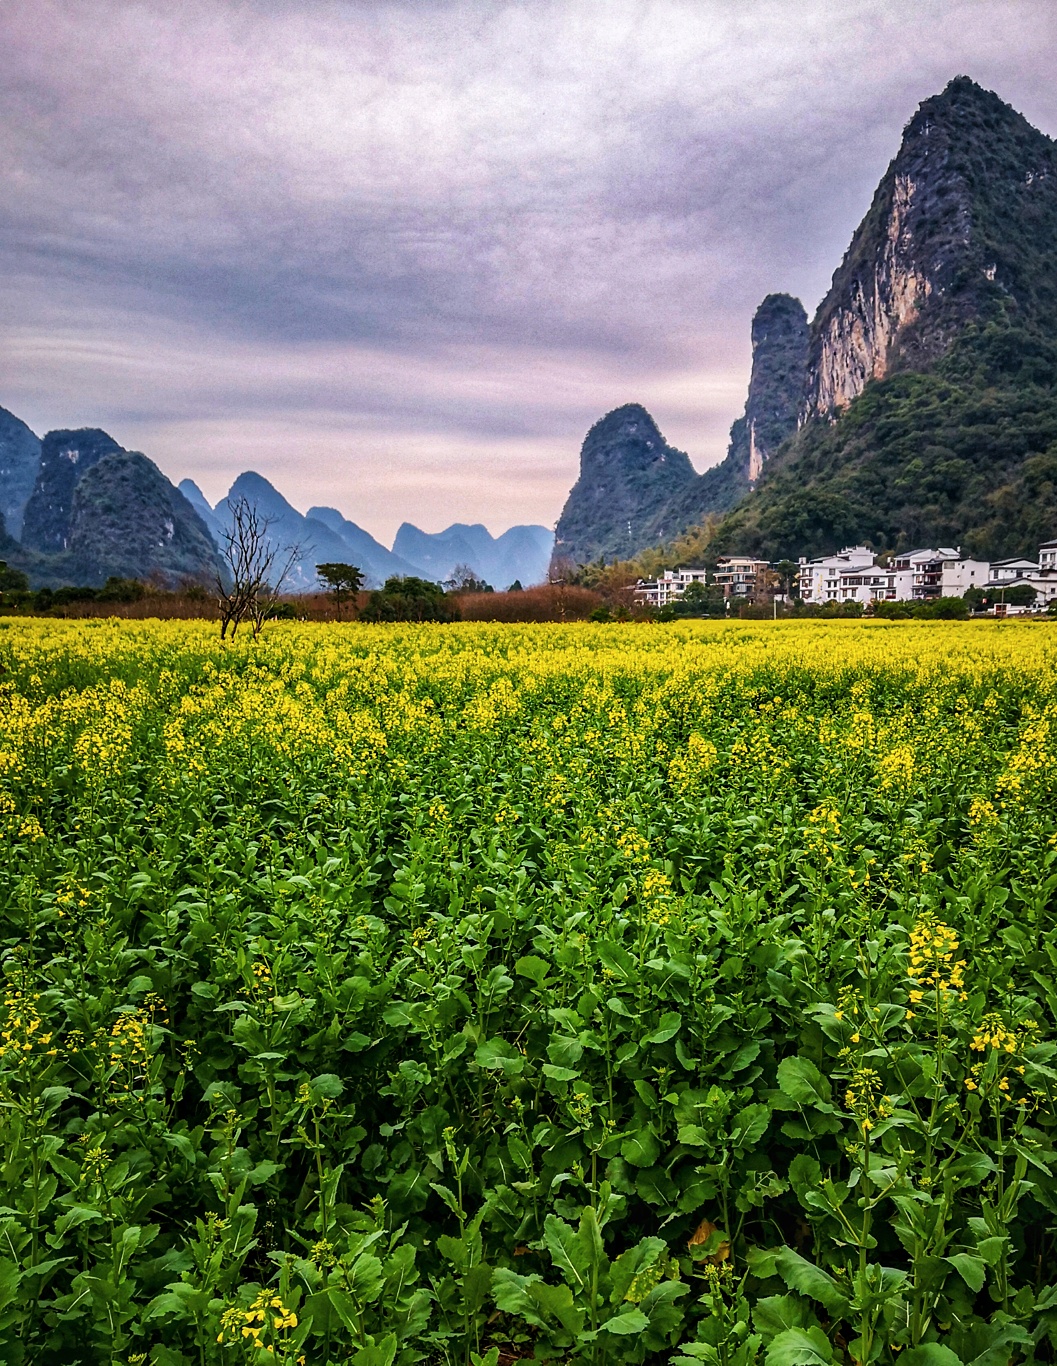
564 1051
365 1282
801 1081
641 1148
9 1279
535 969
345 1308
973 1270
377 1354
800 1274
567 1251
800 1347
498 1055
749 1126
559 1073
631 1321
670 1024
775 1313
327 1086
930 1354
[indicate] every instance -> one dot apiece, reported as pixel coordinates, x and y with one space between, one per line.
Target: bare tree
562 571
257 568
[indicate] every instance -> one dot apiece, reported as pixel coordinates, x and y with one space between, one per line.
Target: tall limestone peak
628 475
65 458
961 229
776 384
127 519
19 463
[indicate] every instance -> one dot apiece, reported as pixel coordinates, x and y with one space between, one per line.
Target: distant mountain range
76 507
919 407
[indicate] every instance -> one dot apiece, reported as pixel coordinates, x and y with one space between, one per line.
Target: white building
669 586
740 576
820 580
1048 555
1006 572
958 576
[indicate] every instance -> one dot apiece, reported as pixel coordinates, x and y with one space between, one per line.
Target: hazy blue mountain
316 543
65 458
521 553
377 563
19 464
200 503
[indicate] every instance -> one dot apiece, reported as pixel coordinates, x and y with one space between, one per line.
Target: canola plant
596 994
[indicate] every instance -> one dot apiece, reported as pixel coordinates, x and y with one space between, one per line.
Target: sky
397 257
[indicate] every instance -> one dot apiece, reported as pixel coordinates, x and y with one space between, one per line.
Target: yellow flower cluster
267 1312
992 1033
865 1098
129 1045
655 893
931 965
22 1031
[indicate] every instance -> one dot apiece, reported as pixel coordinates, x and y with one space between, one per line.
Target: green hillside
963 454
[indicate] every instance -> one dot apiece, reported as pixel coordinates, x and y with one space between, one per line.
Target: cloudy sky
398 256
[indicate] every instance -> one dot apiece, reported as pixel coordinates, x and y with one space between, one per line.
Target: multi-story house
1023 573
741 577
669 586
1006 572
820 580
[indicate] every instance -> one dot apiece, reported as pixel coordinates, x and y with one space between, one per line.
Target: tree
788 574
410 599
516 587
700 600
1020 595
464 580
343 582
12 580
257 568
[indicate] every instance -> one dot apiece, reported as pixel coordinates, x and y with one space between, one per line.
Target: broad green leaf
326 1086
365 1280
641 1148
564 1051
500 1056
775 1313
749 1126
800 1080
535 969
812 1281
670 1024
930 1354
567 1251
973 1270
377 1354
800 1347
631 1321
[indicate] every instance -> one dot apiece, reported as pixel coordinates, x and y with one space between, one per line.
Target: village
855 575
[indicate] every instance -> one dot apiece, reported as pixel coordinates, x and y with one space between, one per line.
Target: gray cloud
407 252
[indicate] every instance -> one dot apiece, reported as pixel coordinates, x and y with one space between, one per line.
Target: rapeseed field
468 994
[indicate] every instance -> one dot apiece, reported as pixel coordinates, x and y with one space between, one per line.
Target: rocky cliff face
65 458
635 490
628 476
958 229
127 519
19 463
776 384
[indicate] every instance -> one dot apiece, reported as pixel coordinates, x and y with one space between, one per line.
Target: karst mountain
919 406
